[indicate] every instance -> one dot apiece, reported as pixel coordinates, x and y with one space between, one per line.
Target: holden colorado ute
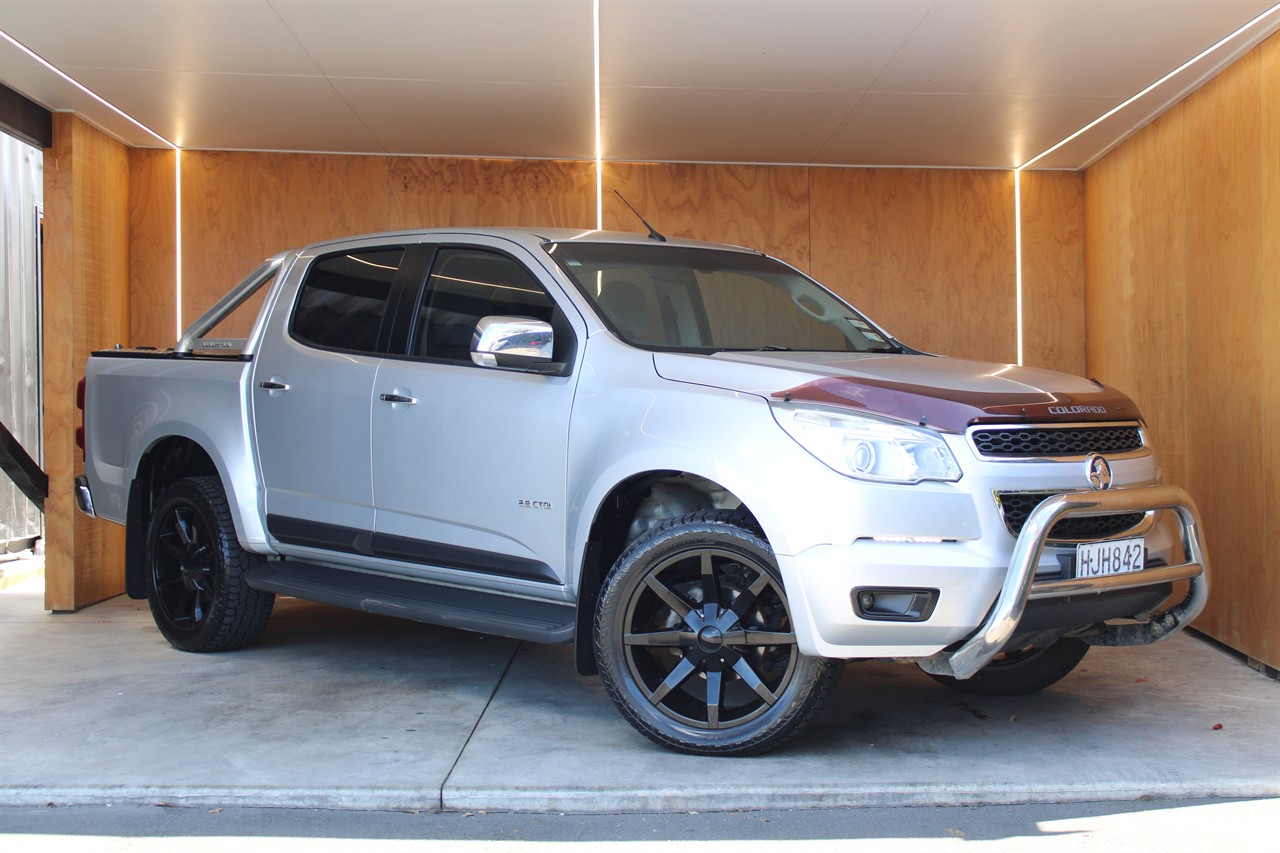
709 473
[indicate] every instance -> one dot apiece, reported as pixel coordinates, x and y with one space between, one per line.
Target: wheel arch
612 530
163 463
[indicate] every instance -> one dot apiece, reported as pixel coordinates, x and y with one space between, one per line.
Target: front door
469 462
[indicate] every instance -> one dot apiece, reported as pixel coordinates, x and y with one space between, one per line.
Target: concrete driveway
337 709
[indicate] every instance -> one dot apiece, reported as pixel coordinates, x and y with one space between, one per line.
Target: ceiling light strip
177 239
177 165
44 62
1017 253
1017 172
595 24
1175 72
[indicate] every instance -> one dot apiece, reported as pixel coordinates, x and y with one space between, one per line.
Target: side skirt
421 601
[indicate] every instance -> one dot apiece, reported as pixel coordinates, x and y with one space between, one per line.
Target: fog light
894 604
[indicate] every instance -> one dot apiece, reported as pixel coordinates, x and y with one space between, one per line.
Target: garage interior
1092 188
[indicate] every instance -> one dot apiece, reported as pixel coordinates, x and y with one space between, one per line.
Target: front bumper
966 629
998 628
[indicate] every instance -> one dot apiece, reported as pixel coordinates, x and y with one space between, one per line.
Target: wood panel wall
1182 247
153 246
437 192
1053 277
86 307
928 253
764 207
1265 643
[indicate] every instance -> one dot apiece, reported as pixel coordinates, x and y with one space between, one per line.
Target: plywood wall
1053 276
437 192
1183 270
86 307
763 207
152 246
928 253
1267 632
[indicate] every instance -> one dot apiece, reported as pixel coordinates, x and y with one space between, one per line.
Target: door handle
398 398
273 385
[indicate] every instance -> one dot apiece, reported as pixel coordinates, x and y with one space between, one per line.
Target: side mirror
521 343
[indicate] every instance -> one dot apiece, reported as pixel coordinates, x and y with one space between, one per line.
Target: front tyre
1018 672
695 644
195 571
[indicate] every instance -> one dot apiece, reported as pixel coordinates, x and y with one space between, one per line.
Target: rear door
469 462
312 385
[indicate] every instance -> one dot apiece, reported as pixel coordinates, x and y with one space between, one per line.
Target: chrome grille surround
1016 506
1057 442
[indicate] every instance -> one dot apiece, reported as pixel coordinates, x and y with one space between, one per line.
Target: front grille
1015 507
1049 442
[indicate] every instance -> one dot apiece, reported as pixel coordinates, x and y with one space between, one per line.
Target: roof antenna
653 234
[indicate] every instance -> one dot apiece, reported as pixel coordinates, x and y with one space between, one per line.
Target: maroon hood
947 393
954 410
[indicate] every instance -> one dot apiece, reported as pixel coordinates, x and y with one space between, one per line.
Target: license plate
1116 557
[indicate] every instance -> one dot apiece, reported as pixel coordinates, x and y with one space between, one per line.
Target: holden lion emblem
1098 471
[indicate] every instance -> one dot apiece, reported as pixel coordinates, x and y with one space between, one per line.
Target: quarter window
344 299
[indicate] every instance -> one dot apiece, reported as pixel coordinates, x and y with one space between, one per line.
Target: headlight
867 447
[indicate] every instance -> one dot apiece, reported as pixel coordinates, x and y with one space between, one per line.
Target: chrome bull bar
1018 588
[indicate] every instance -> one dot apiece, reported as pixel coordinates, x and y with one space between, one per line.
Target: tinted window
710 300
468 284
344 298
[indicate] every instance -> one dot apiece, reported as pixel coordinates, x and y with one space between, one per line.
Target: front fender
728 437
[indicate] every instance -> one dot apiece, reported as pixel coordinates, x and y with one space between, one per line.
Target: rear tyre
695 644
1022 671
196 571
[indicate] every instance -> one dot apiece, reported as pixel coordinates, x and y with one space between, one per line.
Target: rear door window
343 301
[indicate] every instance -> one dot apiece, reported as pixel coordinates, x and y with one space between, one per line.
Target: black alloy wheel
696 644
183 568
195 571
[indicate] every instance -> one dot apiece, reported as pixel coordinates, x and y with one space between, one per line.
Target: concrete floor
337 709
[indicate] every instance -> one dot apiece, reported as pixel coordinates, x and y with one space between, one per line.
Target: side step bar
421 601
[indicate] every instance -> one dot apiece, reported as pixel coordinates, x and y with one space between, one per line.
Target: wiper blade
772 348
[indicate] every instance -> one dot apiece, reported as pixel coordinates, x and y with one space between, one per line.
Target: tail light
80 429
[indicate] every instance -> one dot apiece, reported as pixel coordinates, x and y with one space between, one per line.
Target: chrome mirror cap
519 342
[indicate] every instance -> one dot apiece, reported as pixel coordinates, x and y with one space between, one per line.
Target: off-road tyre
1026 670
695 644
195 571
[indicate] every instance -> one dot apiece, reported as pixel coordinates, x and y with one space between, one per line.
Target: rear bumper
998 628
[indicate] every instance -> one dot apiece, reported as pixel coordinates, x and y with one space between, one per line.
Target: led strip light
595 23
177 163
1017 173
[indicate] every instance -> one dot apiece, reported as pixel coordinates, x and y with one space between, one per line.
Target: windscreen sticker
872 336
859 324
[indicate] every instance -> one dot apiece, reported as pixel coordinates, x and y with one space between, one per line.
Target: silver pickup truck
704 469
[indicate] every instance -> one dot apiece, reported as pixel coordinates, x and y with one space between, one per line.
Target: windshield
709 300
